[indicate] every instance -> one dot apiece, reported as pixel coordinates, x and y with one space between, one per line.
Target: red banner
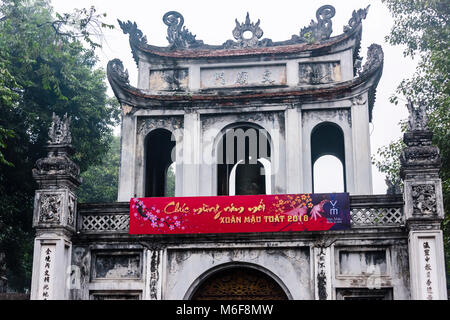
230 214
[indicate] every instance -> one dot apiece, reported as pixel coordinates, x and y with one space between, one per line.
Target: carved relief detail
319 72
424 199
71 207
50 208
321 275
145 125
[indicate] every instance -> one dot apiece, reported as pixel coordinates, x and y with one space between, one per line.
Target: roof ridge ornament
322 29
357 17
241 28
375 57
177 34
116 69
135 35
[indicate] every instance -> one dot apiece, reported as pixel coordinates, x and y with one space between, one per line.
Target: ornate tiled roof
247 38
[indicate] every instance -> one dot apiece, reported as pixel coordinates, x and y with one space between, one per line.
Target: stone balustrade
366 212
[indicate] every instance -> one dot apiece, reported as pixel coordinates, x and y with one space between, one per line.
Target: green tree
422 26
44 68
100 181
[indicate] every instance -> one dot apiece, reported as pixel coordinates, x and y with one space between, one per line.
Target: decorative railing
365 212
376 211
103 217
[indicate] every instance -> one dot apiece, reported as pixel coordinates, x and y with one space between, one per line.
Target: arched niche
327 139
238 281
159 156
244 160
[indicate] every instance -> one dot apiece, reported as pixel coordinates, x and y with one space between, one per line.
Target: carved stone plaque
319 72
117 266
171 79
362 262
245 76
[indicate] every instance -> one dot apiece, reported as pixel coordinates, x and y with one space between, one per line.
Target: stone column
294 152
192 156
321 255
424 210
54 215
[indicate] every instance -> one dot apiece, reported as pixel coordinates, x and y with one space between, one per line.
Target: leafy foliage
422 26
44 69
100 181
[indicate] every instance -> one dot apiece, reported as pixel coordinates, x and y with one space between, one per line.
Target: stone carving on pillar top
419 157
178 35
417 120
59 132
57 169
320 30
357 17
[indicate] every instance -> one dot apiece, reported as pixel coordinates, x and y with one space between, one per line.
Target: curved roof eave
368 78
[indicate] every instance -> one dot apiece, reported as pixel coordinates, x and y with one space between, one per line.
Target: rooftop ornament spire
177 34
57 169
322 29
135 34
357 17
417 120
253 28
59 132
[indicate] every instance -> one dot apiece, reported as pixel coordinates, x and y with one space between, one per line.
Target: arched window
328 158
328 175
244 165
170 181
159 145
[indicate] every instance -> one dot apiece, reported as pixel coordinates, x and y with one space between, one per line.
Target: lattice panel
110 222
376 216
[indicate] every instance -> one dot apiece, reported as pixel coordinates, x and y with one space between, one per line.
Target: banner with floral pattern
231 214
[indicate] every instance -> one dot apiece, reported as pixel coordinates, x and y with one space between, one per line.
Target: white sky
213 22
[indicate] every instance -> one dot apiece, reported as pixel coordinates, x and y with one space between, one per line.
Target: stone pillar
155 273
424 210
54 215
294 152
322 270
126 188
192 153
362 169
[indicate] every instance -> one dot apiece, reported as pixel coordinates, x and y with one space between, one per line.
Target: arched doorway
239 283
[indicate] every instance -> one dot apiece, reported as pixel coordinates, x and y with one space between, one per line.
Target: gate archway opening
239 283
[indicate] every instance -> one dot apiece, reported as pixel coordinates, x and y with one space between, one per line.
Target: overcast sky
213 22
